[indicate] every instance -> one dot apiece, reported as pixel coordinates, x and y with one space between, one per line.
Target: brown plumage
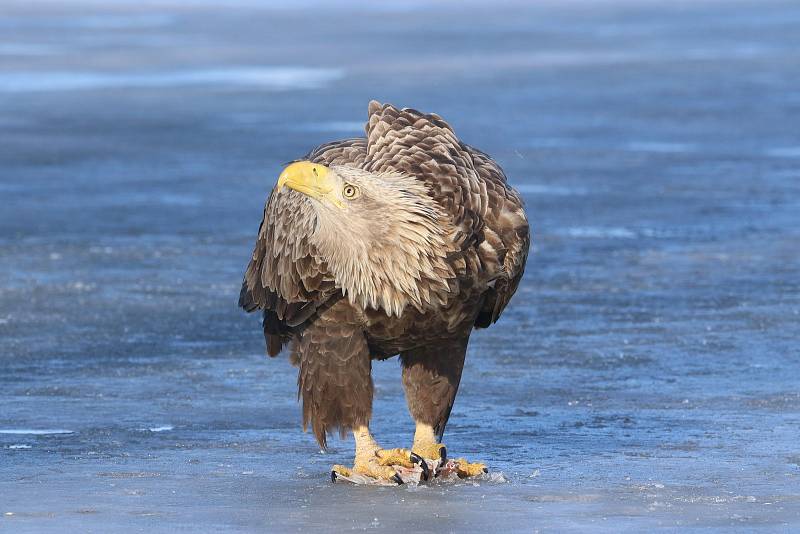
432 244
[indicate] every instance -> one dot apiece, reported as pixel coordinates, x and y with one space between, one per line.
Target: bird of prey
397 243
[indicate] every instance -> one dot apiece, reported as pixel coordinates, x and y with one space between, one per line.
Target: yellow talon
342 470
369 468
466 469
430 451
394 457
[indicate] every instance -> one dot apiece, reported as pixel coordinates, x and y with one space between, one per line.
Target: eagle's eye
350 191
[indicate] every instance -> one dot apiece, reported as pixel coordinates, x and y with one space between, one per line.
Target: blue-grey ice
646 377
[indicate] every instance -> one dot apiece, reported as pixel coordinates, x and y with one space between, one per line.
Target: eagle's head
383 237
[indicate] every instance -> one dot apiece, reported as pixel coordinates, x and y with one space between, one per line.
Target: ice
661 146
162 428
257 77
32 432
785 152
343 127
547 189
643 379
600 232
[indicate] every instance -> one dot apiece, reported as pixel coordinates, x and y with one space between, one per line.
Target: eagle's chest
388 336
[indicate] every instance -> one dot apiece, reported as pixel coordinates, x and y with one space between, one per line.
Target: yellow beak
311 179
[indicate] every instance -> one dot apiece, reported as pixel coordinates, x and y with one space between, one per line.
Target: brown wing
286 276
507 236
491 228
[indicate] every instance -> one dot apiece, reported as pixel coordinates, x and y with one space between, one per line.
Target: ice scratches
263 77
722 499
35 432
332 126
547 189
649 486
602 362
599 421
565 498
519 412
128 474
491 478
662 496
104 21
780 401
661 147
59 391
598 232
161 428
686 446
784 152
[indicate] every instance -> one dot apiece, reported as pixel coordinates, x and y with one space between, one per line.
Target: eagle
397 243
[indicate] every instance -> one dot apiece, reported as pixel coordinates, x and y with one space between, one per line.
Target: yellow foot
437 451
370 467
466 469
431 451
403 458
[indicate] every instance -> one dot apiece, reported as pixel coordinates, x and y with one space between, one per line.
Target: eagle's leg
335 384
431 375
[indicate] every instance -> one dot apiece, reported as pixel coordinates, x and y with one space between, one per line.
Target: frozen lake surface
646 376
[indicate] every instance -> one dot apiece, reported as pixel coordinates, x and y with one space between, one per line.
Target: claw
417 459
431 451
443 461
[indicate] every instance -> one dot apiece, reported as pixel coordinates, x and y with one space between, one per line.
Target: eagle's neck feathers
391 253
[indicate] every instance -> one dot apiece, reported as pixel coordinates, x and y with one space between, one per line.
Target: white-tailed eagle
397 243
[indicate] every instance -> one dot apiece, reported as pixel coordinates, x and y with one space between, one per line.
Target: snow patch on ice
129 21
784 152
34 432
660 147
597 232
162 428
550 142
274 78
544 189
333 126
25 49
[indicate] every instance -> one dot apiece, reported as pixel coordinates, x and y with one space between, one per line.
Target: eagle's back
491 228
